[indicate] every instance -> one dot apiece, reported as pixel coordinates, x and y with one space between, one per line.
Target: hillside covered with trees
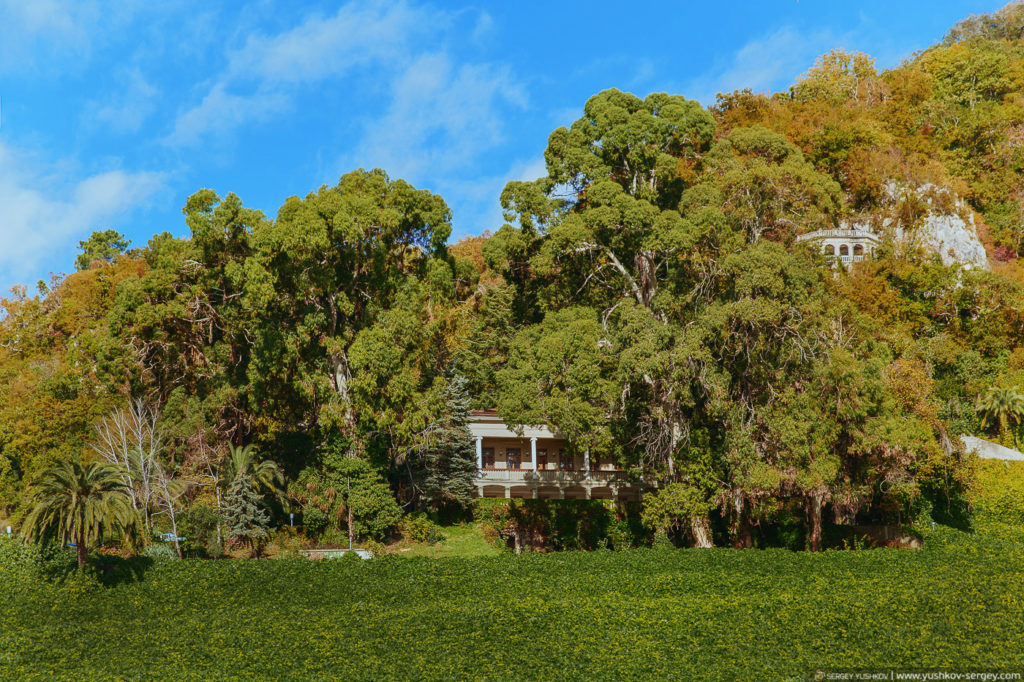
648 297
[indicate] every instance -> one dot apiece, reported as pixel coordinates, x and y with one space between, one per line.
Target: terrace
539 464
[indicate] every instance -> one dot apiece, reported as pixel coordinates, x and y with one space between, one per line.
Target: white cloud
483 29
125 111
36 33
260 77
42 210
222 111
770 62
477 202
441 116
322 47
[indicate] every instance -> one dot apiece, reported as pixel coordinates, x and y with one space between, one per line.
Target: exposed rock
944 224
989 450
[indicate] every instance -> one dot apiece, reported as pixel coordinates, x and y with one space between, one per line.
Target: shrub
314 520
159 551
46 561
562 524
344 485
199 525
998 494
419 528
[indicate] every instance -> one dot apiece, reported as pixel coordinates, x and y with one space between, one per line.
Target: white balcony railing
552 477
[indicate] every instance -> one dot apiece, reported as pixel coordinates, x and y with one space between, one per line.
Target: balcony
552 476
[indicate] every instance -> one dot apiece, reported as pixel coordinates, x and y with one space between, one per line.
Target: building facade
843 246
538 465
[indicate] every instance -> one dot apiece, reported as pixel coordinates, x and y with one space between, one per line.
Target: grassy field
642 614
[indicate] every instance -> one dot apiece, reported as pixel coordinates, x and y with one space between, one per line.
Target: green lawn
464 541
642 614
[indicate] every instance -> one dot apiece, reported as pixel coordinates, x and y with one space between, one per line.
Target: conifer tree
447 462
247 519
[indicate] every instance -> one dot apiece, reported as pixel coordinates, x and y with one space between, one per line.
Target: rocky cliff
932 218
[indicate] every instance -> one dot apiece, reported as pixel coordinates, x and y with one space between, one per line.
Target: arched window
830 250
844 250
858 250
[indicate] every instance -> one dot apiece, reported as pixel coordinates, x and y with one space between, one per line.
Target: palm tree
265 473
1001 405
81 503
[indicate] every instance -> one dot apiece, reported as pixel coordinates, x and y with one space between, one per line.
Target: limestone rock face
954 239
945 226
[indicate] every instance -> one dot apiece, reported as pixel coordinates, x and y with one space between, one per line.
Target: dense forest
648 297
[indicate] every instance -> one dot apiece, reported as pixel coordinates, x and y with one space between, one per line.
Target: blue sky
111 114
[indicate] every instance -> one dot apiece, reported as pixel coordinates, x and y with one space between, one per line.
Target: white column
479 453
533 452
586 463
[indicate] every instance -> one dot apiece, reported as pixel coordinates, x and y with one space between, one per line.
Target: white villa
845 245
538 465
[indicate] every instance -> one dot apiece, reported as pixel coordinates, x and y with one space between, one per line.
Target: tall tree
101 248
444 467
247 518
324 270
1002 406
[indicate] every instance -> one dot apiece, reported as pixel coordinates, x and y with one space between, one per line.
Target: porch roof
487 424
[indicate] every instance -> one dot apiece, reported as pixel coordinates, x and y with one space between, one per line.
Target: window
844 250
830 250
858 250
542 459
487 455
512 458
565 462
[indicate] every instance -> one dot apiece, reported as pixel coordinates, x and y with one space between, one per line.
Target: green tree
561 372
265 473
80 503
325 270
444 467
766 185
248 521
680 508
101 247
350 493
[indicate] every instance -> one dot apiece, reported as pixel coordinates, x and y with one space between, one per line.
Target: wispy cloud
320 47
441 115
221 111
42 209
262 75
37 33
128 108
477 201
428 113
770 62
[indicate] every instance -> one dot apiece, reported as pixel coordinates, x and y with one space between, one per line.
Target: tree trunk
700 526
741 535
220 535
814 504
82 550
174 528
